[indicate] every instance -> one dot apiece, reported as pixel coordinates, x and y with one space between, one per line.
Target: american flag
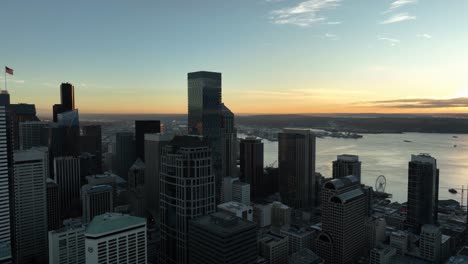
8 70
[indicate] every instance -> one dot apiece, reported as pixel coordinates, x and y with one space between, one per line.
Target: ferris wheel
380 184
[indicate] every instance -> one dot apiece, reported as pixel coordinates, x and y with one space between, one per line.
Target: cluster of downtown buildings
199 196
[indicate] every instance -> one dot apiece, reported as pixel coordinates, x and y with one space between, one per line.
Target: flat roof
112 222
222 224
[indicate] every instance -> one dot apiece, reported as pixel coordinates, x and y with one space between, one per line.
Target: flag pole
6 88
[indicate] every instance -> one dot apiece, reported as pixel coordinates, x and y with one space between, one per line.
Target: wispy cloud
391 41
426 36
331 36
305 13
400 3
334 23
421 103
11 80
398 18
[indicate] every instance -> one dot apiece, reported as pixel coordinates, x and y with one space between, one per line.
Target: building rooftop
423 158
222 224
303 131
188 142
270 238
138 165
304 256
33 154
347 157
457 260
204 74
111 222
99 188
343 182
348 196
234 206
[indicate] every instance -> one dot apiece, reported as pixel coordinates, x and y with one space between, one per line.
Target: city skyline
309 56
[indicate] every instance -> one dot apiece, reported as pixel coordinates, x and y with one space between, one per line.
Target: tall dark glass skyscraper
296 157
143 127
67 100
205 116
346 165
423 191
251 165
67 96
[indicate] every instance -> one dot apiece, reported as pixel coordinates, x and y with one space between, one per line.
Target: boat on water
407 141
455 136
453 191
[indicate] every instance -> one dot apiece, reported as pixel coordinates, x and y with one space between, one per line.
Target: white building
67 245
399 240
298 238
382 255
116 238
262 214
30 205
430 243
5 237
274 248
226 194
280 215
238 209
241 192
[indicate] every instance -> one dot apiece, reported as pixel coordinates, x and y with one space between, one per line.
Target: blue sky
307 55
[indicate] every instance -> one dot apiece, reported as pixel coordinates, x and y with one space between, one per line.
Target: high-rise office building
91 142
30 206
281 215
382 255
67 96
53 205
116 238
423 191
4 98
251 165
70 122
305 256
296 157
124 153
5 164
342 239
346 165
143 127
299 238
241 192
430 243
88 165
67 177
136 175
187 191
67 245
205 117
97 200
153 147
20 113
67 100
222 238
229 136
274 248
30 134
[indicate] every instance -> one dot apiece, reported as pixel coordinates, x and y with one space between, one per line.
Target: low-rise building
238 209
